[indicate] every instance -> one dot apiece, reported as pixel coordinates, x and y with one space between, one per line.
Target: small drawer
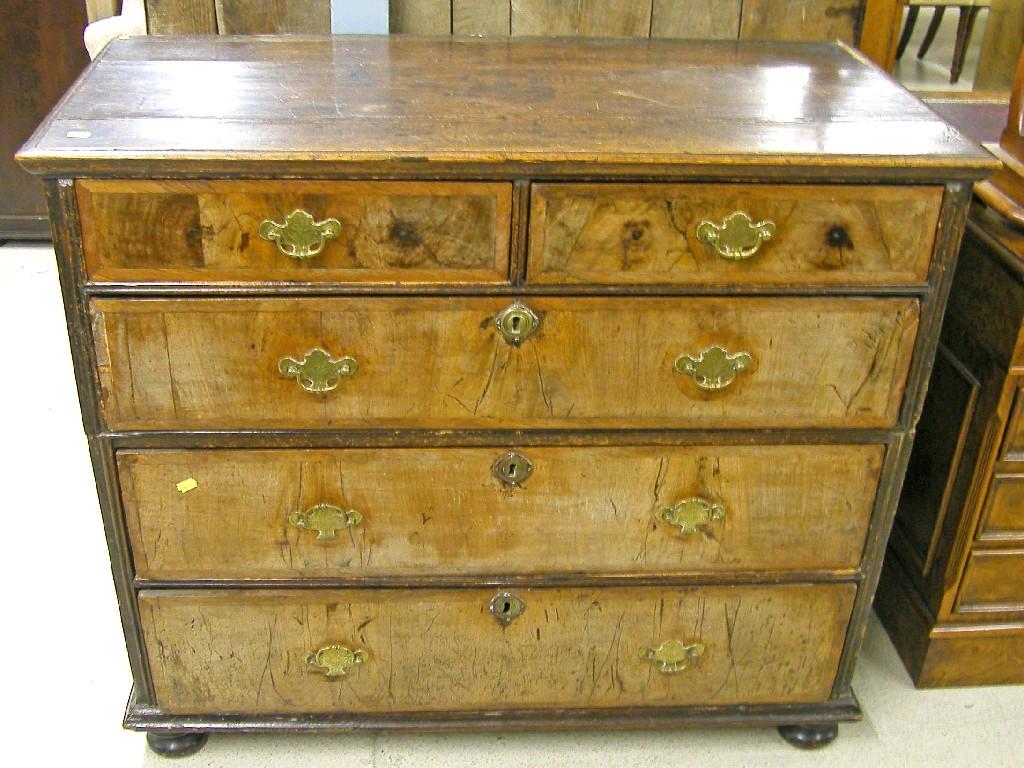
288 651
251 231
1013 441
280 514
731 234
993 582
1003 515
614 363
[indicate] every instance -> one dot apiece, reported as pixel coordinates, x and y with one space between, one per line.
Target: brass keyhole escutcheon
512 469
505 607
516 323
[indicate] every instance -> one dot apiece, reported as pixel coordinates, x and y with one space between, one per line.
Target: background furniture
952 592
968 10
41 53
640 472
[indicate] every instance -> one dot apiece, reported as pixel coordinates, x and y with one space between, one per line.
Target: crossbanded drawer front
278 514
392 650
244 231
485 363
731 234
993 582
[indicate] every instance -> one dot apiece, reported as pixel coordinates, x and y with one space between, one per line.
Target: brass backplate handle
505 607
692 515
737 237
326 520
300 236
335 660
512 469
516 323
715 368
317 371
673 655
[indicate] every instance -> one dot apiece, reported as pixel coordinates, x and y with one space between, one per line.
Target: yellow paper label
187 485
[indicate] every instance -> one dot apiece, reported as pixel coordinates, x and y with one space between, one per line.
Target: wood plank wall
726 19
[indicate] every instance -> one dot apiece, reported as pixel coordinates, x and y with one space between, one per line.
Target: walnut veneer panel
234 104
221 651
391 232
824 235
440 511
1003 514
594 362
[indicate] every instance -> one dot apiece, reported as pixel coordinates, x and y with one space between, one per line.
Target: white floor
65 675
932 72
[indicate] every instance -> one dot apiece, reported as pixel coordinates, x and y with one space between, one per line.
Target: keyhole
512 470
516 320
506 607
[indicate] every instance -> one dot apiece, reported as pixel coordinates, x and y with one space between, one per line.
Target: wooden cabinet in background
952 591
41 53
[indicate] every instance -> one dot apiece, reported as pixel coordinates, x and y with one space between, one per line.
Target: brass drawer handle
714 368
505 607
326 520
516 323
512 469
692 515
317 371
335 660
737 237
300 236
673 655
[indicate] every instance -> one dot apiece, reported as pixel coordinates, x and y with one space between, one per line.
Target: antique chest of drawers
464 384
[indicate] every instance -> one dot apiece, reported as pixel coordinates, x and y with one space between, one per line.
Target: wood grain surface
1002 517
209 230
244 651
994 582
619 233
441 511
441 363
409 105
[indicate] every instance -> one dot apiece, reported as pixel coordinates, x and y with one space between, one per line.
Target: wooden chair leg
963 40
908 30
933 28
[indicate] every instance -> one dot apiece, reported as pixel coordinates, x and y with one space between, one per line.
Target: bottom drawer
251 651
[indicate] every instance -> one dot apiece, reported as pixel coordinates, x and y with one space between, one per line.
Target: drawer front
443 363
246 651
382 232
1003 516
262 514
688 234
1013 442
993 581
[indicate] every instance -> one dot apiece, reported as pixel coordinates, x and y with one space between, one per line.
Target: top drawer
366 232
731 234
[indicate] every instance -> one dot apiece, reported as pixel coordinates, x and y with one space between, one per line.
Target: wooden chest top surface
539 106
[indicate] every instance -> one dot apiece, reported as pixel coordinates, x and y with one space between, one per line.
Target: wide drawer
993 581
251 651
375 231
444 511
443 363
731 234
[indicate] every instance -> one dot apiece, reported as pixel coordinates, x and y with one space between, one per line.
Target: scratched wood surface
244 651
441 363
207 105
441 511
209 230
619 233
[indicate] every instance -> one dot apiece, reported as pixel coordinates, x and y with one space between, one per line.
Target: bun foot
810 736
176 743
